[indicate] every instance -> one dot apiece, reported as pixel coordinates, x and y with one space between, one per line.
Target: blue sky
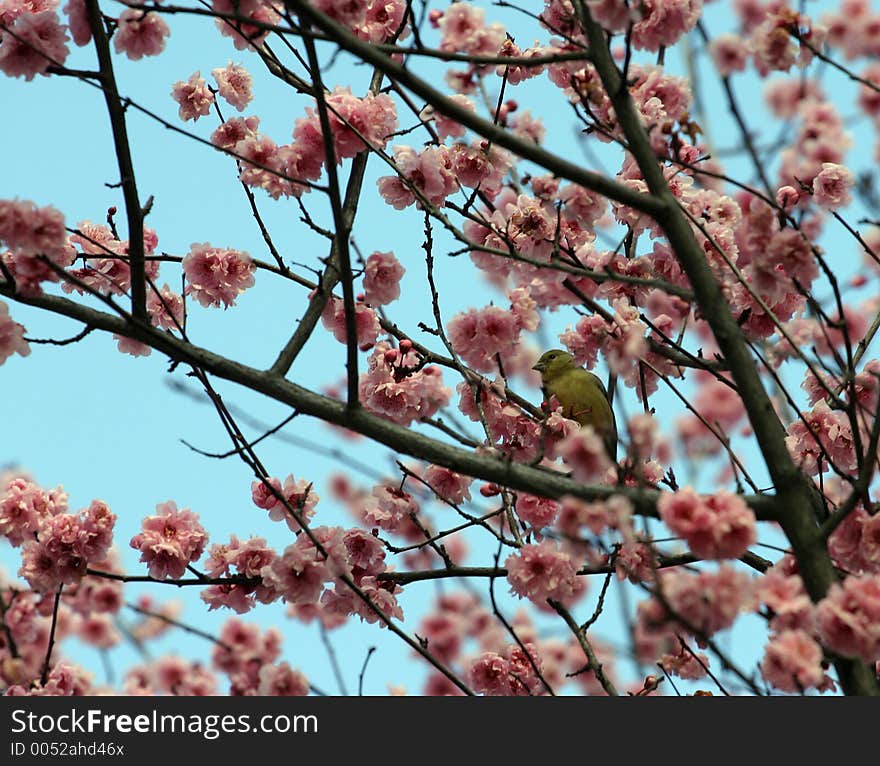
107 425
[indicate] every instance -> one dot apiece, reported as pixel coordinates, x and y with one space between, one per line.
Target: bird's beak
540 367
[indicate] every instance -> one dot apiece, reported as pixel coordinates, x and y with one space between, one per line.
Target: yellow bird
581 394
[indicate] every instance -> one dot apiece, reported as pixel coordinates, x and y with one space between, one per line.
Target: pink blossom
181 677
490 674
464 29
539 512
584 452
64 545
381 595
96 533
389 507
451 486
784 96
98 630
586 339
785 595
150 627
635 561
384 19
707 602
366 321
366 554
443 634
855 543
11 336
131 346
348 13
823 433
235 129
643 430
170 540
64 680
718 526
282 681
523 307
236 558
522 665
307 613
446 126
217 276
576 514
140 34
357 123
664 22
730 53
245 35
263 164
165 308
298 494
510 673
298 575
263 496
78 20
111 273
543 571
626 344
429 172
395 386
382 275
35 42
772 46
793 662
869 99
243 648
234 84
831 186
787 197
193 96
34 230
94 595
479 165
478 335
848 617
527 126
686 664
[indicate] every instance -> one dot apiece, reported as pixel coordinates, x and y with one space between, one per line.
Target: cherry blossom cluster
12 340
544 571
356 125
291 502
35 38
462 633
65 544
720 526
107 270
399 386
217 276
36 242
482 336
170 540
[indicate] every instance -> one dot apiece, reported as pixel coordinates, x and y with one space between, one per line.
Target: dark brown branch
116 110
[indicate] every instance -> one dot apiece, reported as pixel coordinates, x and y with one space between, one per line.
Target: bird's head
554 362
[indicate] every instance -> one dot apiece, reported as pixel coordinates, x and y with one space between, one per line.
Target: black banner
400 729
